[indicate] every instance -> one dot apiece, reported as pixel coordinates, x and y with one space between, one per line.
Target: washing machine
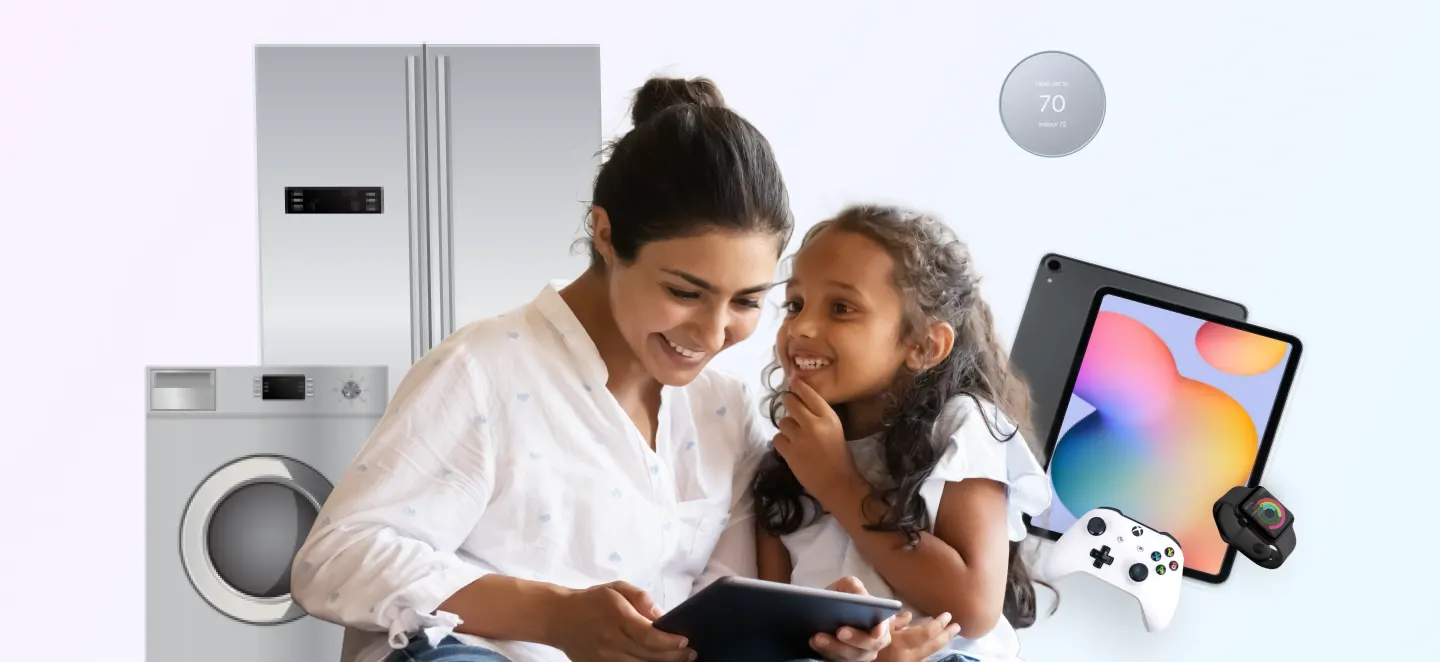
238 462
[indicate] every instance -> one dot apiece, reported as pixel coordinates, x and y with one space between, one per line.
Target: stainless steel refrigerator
407 190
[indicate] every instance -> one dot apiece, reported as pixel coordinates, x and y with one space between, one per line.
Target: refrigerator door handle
446 226
419 237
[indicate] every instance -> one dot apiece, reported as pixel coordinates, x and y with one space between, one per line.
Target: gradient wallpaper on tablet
1166 415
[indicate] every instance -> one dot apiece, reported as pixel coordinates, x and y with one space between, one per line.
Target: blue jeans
449 650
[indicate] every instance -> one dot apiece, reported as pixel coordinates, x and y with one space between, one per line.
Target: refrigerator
406 190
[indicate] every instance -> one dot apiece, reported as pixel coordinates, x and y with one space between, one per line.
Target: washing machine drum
240 533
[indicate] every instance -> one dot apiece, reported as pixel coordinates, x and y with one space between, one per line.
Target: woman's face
682 301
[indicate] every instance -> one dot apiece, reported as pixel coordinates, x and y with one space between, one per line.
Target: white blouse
823 551
503 452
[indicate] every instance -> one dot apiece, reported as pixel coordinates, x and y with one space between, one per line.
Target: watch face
1052 104
1267 514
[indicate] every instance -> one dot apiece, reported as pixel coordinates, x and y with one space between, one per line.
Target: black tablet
1054 319
1166 409
738 619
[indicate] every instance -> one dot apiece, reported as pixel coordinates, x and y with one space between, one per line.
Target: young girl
898 460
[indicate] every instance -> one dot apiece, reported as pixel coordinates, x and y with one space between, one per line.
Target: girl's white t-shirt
503 452
822 551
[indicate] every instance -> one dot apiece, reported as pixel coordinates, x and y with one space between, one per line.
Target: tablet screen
1165 410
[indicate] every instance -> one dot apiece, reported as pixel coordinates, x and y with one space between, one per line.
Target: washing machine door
241 531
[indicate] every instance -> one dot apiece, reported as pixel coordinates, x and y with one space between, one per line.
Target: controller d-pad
1102 556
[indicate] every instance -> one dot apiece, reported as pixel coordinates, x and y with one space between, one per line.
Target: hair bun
658 94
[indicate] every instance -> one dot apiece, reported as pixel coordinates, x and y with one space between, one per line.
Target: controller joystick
1149 567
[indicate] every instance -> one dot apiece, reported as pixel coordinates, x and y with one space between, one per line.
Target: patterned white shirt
503 452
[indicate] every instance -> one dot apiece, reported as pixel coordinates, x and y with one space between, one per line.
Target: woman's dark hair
689 165
938 283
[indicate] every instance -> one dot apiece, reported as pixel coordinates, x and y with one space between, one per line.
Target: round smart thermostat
1052 104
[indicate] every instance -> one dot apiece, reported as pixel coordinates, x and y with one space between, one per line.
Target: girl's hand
812 442
914 643
849 644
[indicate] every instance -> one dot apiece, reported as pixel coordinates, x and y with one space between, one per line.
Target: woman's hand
812 441
611 623
849 644
914 643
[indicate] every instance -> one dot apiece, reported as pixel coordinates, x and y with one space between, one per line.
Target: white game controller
1126 554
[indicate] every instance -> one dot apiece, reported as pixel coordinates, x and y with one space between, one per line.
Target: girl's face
682 301
843 322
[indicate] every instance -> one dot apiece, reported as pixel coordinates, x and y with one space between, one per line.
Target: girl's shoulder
967 416
973 436
977 440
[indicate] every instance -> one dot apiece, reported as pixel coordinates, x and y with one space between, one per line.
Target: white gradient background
1277 153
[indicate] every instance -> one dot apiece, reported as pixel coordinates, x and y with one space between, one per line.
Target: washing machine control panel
284 387
297 387
290 390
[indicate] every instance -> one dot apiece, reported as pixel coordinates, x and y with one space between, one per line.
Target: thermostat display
1052 104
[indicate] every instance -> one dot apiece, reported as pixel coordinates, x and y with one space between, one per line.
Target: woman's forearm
365 574
506 608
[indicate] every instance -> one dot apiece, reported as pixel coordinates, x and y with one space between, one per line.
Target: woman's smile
680 353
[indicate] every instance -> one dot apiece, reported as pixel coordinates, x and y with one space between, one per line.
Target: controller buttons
1154 556
1137 531
1095 526
1174 565
1160 569
1102 556
1138 572
1169 551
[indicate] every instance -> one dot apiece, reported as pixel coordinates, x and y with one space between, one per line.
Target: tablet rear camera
1052 264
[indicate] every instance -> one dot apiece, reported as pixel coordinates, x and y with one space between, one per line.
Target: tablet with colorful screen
1166 409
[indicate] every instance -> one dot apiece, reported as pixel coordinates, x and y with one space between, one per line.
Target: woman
578 441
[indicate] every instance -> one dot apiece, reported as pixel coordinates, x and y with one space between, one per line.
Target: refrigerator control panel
334 200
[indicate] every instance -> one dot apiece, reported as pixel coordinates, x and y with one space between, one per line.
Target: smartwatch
1254 522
